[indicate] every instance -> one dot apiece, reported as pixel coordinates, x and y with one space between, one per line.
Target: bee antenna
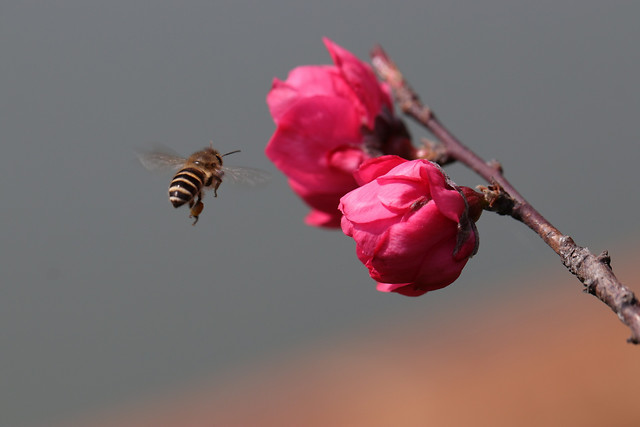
231 152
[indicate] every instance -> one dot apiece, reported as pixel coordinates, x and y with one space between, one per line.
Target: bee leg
215 187
196 209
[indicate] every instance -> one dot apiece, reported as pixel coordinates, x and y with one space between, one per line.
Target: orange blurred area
537 358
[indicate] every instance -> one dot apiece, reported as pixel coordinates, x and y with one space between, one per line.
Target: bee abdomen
185 186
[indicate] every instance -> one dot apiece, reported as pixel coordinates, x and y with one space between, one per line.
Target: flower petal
375 167
308 81
361 79
318 218
307 132
448 200
406 289
362 205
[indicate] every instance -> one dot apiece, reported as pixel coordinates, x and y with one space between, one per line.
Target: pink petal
347 226
307 81
311 80
346 159
426 240
399 194
406 289
323 219
375 167
280 98
323 199
360 78
448 200
362 205
309 130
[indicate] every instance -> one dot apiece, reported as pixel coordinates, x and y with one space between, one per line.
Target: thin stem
593 271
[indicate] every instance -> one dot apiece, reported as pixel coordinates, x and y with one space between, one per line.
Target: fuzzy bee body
185 186
202 170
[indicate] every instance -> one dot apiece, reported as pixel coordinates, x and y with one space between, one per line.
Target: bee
202 170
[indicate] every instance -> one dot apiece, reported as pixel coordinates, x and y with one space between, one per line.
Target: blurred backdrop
110 297
552 363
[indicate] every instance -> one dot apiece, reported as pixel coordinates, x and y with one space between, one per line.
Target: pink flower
414 229
330 118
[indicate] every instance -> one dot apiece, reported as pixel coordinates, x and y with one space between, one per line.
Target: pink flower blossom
330 118
414 229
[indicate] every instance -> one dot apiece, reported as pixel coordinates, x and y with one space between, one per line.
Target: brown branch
593 271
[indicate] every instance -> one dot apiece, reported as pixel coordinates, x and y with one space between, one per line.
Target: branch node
590 286
497 200
626 298
435 152
495 165
604 258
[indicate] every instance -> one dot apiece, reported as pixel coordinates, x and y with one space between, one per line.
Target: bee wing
160 158
247 176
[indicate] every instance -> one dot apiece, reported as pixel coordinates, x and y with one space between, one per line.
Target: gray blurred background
109 295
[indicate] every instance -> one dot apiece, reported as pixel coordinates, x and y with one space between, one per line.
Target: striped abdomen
186 185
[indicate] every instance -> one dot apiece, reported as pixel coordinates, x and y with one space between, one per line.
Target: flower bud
414 228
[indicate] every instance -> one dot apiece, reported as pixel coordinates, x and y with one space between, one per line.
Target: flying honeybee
202 170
